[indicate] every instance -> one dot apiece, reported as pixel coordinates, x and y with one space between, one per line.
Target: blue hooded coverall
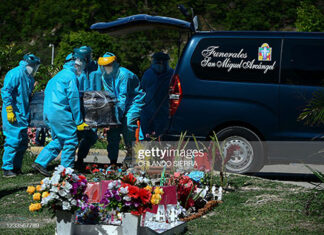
125 85
17 89
89 80
62 114
95 80
86 81
154 116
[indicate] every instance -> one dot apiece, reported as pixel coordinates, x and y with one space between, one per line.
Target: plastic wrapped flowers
63 191
127 195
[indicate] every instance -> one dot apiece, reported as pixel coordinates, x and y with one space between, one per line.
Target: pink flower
177 174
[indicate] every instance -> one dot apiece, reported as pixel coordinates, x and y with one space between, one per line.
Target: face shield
107 69
32 70
79 66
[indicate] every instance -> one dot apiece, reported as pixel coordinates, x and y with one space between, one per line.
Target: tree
309 18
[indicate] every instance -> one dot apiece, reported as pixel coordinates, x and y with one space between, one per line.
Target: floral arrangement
195 193
125 196
185 189
31 132
103 173
128 194
63 191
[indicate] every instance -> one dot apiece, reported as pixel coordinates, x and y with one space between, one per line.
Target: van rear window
237 59
303 62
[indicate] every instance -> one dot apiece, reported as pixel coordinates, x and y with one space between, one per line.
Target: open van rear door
141 22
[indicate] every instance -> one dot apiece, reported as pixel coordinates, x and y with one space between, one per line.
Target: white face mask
32 70
79 65
29 69
108 69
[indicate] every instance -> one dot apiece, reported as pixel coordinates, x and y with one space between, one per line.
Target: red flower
184 179
105 166
109 172
63 173
94 165
129 179
82 177
133 191
190 203
87 167
184 186
140 210
95 170
144 195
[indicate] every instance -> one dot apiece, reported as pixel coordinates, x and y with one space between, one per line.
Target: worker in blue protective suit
125 85
89 80
16 91
62 113
155 83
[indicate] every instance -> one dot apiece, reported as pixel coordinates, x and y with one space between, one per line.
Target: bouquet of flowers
63 191
125 196
185 189
103 173
31 132
129 194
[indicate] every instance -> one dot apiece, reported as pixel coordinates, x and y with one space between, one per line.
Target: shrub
309 18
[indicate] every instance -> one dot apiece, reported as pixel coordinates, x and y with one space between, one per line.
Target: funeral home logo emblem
265 52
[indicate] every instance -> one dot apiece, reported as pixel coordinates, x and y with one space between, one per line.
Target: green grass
263 207
253 206
14 202
102 144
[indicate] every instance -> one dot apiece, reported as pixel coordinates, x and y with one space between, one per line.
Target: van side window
303 62
237 59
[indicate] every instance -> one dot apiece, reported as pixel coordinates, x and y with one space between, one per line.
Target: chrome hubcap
238 152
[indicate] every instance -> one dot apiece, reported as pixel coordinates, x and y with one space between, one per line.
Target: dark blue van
247 87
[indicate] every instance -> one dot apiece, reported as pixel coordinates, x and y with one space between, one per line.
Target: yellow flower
39 188
31 207
158 190
35 207
31 190
45 194
38 206
156 198
41 182
36 196
154 202
148 188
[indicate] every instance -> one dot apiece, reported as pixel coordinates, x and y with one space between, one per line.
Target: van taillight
175 94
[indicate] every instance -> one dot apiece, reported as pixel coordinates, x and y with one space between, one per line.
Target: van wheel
242 149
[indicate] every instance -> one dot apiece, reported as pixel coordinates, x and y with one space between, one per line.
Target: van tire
249 157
